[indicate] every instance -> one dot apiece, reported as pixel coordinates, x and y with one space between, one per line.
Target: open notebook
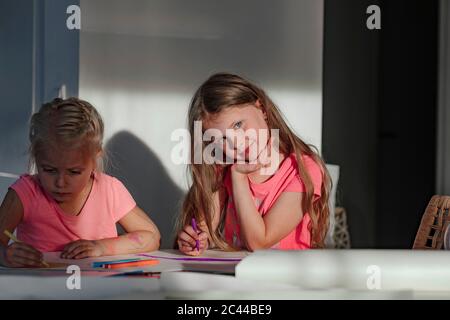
212 261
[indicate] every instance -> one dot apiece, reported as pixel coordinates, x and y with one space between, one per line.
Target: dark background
379 123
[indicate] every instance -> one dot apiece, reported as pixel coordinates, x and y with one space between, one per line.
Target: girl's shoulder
104 178
108 183
29 192
114 191
313 168
28 185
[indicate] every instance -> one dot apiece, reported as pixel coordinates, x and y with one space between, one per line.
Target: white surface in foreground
417 270
23 287
313 274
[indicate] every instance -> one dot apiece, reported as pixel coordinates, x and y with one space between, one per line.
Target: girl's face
243 131
64 173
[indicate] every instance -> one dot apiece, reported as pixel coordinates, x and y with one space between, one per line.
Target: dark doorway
379 123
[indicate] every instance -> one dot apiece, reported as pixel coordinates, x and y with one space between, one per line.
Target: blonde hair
71 123
223 90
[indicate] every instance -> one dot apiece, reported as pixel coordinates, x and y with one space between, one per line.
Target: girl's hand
245 168
263 160
187 241
82 249
19 255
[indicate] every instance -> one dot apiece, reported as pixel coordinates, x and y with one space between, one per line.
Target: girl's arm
17 254
142 236
264 232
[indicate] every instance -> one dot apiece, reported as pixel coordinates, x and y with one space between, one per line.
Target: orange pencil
142 263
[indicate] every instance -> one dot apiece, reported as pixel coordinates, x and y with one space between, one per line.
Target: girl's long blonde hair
223 90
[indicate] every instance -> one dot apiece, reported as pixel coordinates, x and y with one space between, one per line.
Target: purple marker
194 226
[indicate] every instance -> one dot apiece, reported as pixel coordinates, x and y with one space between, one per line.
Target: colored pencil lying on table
141 263
101 264
139 273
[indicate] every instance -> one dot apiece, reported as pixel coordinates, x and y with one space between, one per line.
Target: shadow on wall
142 172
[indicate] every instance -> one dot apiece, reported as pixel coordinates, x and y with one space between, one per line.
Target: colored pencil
13 238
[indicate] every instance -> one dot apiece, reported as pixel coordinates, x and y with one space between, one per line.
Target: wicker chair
434 222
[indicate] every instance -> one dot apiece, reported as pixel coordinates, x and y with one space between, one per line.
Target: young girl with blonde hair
69 205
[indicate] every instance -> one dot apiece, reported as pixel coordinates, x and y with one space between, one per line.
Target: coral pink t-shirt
46 227
286 179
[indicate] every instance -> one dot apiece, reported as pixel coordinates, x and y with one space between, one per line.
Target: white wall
141 61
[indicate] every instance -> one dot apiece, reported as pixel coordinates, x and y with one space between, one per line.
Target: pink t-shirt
46 227
286 179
